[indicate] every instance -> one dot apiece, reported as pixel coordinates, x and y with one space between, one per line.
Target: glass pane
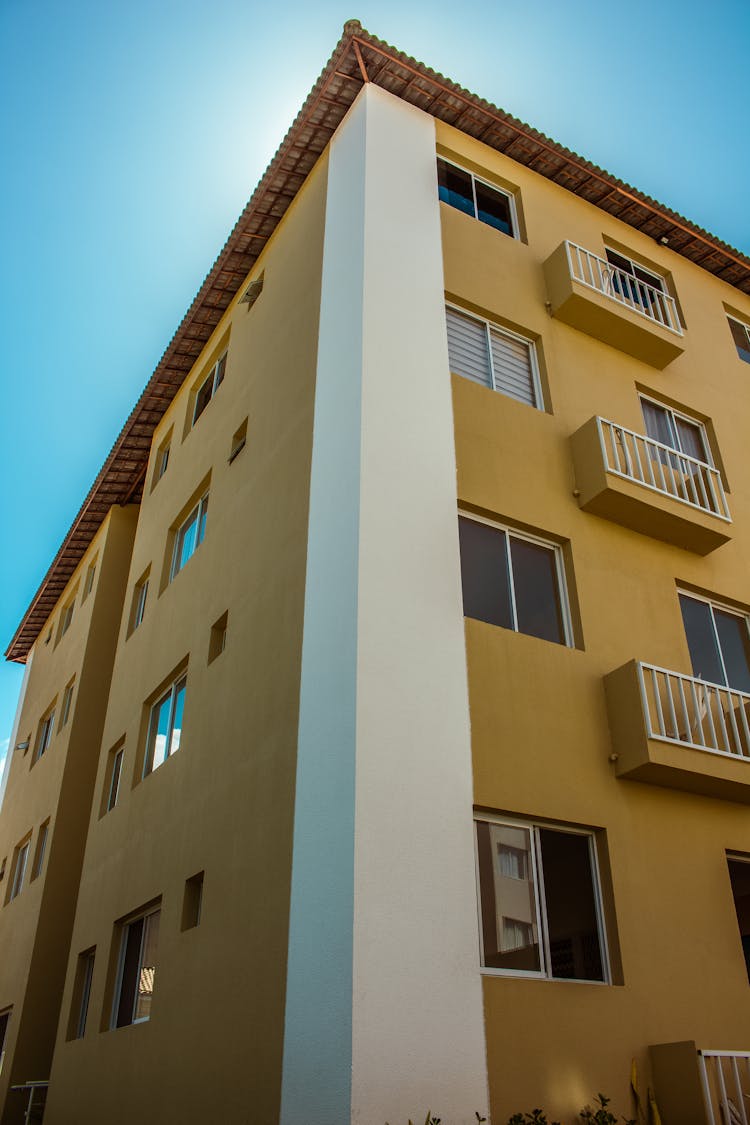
179 704
741 337
129 972
454 187
659 424
202 520
739 875
114 786
159 733
701 639
493 207
572 926
538 609
484 573
203 397
220 368
508 894
186 541
692 440
147 967
733 639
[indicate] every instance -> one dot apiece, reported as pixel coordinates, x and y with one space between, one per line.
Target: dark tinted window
701 639
454 187
733 640
494 208
572 928
538 608
484 573
739 875
741 337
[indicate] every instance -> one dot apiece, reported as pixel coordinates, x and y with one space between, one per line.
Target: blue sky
133 134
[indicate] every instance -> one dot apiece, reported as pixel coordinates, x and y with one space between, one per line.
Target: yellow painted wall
35 926
539 720
223 804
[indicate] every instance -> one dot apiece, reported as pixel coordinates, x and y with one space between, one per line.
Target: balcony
649 487
596 297
678 731
701 1087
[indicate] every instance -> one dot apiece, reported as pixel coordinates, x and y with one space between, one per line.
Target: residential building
413 763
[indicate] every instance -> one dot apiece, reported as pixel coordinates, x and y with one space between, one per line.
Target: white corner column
383 941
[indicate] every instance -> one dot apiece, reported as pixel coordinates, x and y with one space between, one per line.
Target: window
189 536
217 640
4 1021
513 580
66 618
67 701
165 726
492 357
462 190
192 902
44 735
88 584
676 430
19 869
41 848
638 286
739 878
542 915
114 774
161 461
239 440
209 387
81 994
741 336
140 594
718 641
137 967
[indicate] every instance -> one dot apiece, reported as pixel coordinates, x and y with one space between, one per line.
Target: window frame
171 693
216 377
475 179
713 603
114 778
140 596
124 928
44 735
18 873
66 618
560 574
88 582
82 992
492 326
746 329
6 1014
673 415
67 703
533 827
40 850
200 511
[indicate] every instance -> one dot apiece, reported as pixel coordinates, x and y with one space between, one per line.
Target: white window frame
675 414
143 915
746 328
556 549
66 618
88 583
533 826
491 326
44 735
171 694
713 604
493 187
139 608
67 700
20 863
657 281
115 777
212 376
199 511
88 960
41 850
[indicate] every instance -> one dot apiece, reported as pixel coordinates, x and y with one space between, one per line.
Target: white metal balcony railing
659 467
695 712
597 273
726 1086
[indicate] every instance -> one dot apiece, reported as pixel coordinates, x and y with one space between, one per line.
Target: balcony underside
632 504
600 315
